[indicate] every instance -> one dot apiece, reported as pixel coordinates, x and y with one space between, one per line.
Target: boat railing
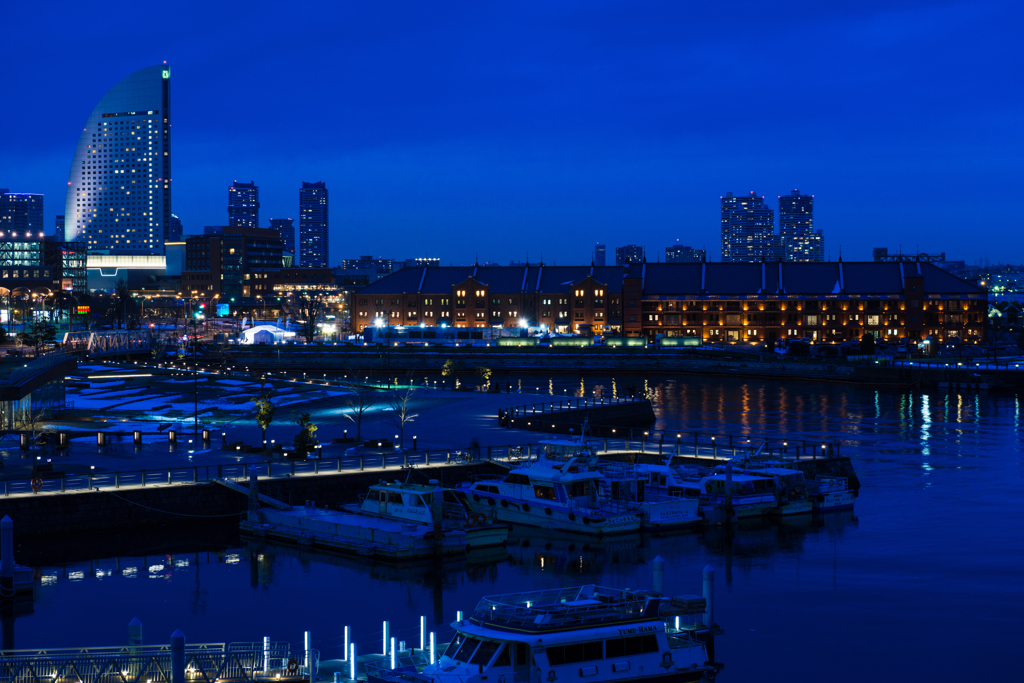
409 672
550 607
681 639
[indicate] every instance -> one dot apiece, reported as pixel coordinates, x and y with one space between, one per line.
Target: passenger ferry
829 494
413 503
559 635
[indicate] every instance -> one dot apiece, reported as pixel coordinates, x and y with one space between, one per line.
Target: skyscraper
174 230
313 225
287 230
244 205
678 253
799 241
747 228
119 189
630 253
599 255
58 228
21 212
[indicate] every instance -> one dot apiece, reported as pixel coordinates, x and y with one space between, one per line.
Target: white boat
752 495
413 503
790 488
558 635
829 494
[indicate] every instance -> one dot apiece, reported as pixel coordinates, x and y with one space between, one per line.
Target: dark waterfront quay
932 535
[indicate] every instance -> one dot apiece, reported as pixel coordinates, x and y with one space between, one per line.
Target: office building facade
174 229
21 212
630 253
58 228
314 233
231 264
119 189
748 225
798 239
244 205
600 257
287 230
679 253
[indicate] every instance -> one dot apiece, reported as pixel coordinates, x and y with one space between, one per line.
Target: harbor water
921 581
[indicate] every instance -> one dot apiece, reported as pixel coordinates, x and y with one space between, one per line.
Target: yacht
413 503
790 488
564 634
829 494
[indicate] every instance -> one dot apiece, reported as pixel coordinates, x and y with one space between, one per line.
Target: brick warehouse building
727 302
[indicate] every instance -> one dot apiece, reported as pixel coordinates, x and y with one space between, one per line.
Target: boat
593 632
568 488
830 494
413 503
790 488
752 495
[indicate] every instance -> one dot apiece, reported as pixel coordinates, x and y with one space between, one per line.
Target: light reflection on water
933 539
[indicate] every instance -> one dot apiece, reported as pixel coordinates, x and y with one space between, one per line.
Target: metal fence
204 662
709 447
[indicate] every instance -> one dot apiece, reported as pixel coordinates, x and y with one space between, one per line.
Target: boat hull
554 516
833 501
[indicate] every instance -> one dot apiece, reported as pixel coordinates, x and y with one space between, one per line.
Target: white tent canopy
265 334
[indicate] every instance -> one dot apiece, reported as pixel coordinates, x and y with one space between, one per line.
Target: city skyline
515 160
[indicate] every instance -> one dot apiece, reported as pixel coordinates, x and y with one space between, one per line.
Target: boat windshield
467 650
485 652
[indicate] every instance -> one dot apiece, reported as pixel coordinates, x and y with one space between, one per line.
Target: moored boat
830 494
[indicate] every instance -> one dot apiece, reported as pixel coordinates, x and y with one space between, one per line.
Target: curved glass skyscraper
119 189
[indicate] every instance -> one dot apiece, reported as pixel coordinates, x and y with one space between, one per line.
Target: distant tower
58 229
679 253
313 225
599 255
748 225
21 211
244 205
287 230
174 229
799 241
630 253
119 190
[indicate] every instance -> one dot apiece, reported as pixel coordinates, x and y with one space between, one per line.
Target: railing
34 367
512 455
206 662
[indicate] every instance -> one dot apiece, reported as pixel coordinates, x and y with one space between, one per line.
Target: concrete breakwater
149 508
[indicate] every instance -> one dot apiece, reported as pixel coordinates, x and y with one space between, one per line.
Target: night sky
499 131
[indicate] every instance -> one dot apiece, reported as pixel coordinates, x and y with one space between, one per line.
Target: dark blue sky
507 129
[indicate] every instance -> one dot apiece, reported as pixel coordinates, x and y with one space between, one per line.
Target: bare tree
311 308
401 411
357 402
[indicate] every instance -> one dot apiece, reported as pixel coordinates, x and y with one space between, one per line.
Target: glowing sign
83 310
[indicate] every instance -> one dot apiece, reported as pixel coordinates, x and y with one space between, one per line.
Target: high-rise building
287 229
21 212
244 205
232 263
174 229
678 253
119 189
799 241
313 225
630 253
599 255
747 228
58 228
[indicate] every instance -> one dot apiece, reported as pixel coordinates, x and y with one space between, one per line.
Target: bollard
206 436
178 657
172 436
223 440
352 662
414 443
63 439
25 445
361 463
405 458
134 633
709 596
137 437
101 439
7 555
426 457
659 575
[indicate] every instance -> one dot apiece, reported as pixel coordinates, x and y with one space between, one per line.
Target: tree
485 374
304 440
311 308
357 402
867 344
122 296
264 413
401 411
38 333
